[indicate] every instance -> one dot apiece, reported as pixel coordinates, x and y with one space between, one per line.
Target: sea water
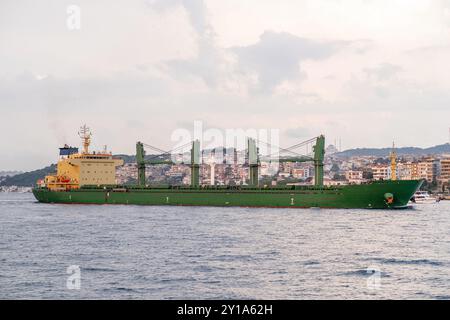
55 251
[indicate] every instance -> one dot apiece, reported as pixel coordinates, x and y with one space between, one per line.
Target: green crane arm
296 159
319 155
195 164
141 163
318 158
156 162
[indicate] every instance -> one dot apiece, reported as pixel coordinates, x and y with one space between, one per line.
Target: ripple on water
99 269
409 261
233 257
364 273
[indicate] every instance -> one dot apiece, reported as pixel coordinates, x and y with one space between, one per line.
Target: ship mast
393 157
85 135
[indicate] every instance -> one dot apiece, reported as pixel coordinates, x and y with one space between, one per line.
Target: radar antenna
85 135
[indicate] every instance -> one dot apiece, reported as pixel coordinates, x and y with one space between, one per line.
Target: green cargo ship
88 178
373 195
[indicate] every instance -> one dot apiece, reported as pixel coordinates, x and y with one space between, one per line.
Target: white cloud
276 57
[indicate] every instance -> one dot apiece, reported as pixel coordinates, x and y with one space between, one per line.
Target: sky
366 72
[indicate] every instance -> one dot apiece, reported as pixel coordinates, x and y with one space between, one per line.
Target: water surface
135 252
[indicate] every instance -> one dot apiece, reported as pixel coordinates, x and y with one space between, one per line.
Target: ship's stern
40 194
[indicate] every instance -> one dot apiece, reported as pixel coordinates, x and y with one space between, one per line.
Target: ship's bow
397 194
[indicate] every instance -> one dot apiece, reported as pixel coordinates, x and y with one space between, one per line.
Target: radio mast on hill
393 157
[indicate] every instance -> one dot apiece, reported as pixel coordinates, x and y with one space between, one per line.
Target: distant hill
9 173
28 179
126 158
384 152
132 159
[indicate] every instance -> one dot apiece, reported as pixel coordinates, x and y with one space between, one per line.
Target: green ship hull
374 195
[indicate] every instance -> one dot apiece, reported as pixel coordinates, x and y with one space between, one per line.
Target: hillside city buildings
230 169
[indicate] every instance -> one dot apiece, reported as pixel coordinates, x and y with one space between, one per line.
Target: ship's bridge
75 169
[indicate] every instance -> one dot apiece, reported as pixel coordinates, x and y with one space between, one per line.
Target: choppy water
130 252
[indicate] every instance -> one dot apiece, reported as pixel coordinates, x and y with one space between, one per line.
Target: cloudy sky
366 71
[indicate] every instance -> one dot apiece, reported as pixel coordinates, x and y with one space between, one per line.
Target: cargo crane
317 157
142 162
253 159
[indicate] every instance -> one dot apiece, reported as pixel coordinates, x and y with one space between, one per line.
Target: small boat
423 197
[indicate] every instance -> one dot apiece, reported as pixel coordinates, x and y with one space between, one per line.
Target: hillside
28 179
384 152
9 173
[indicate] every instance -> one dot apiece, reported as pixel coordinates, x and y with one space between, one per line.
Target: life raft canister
389 198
